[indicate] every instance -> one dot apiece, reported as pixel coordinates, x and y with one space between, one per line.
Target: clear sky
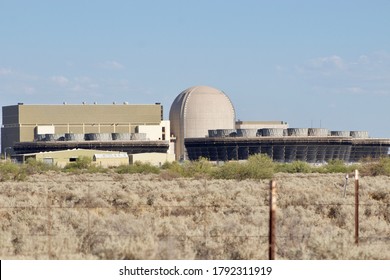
310 63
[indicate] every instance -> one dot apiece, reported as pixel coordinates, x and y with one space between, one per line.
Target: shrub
84 164
257 166
335 166
137 167
32 166
260 166
80 163
375 168
174 168
230 170
169 175
294 167
199 168
11 171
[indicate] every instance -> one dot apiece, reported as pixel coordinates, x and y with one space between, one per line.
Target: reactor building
195 111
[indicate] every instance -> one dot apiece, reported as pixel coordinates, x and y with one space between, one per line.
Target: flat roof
289 140
111 155
86 104
133 146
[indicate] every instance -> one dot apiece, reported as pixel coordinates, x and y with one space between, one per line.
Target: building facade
28 123
62 158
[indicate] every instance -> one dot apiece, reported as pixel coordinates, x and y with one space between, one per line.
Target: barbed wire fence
269 237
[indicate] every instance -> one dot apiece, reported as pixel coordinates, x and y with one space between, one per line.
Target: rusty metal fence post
272 220
49 223
356 207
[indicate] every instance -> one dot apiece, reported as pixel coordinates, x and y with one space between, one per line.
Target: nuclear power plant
202 123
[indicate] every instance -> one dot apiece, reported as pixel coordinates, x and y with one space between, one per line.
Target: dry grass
131 216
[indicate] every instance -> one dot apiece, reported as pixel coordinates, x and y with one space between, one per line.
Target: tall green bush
80 163
84 164
198 168
257 166
201 168
230 170
11 171
294 167
336 166
375 168
172 170
33 166
260 166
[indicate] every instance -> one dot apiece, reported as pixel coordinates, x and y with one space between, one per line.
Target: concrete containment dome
197 110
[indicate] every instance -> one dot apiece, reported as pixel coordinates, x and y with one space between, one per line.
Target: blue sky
310 63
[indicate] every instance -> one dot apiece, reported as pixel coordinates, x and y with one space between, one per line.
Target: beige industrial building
98 157
27 123
62 158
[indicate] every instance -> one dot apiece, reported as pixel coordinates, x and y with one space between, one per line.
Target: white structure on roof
197 110
156 132
261 124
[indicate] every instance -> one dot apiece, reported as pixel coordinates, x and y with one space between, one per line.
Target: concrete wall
92 114
9 136
153 132
10 114
156 132
157 159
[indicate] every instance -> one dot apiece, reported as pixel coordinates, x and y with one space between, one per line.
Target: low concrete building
156 159
62 158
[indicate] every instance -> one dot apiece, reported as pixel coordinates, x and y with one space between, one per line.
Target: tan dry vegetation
120 216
